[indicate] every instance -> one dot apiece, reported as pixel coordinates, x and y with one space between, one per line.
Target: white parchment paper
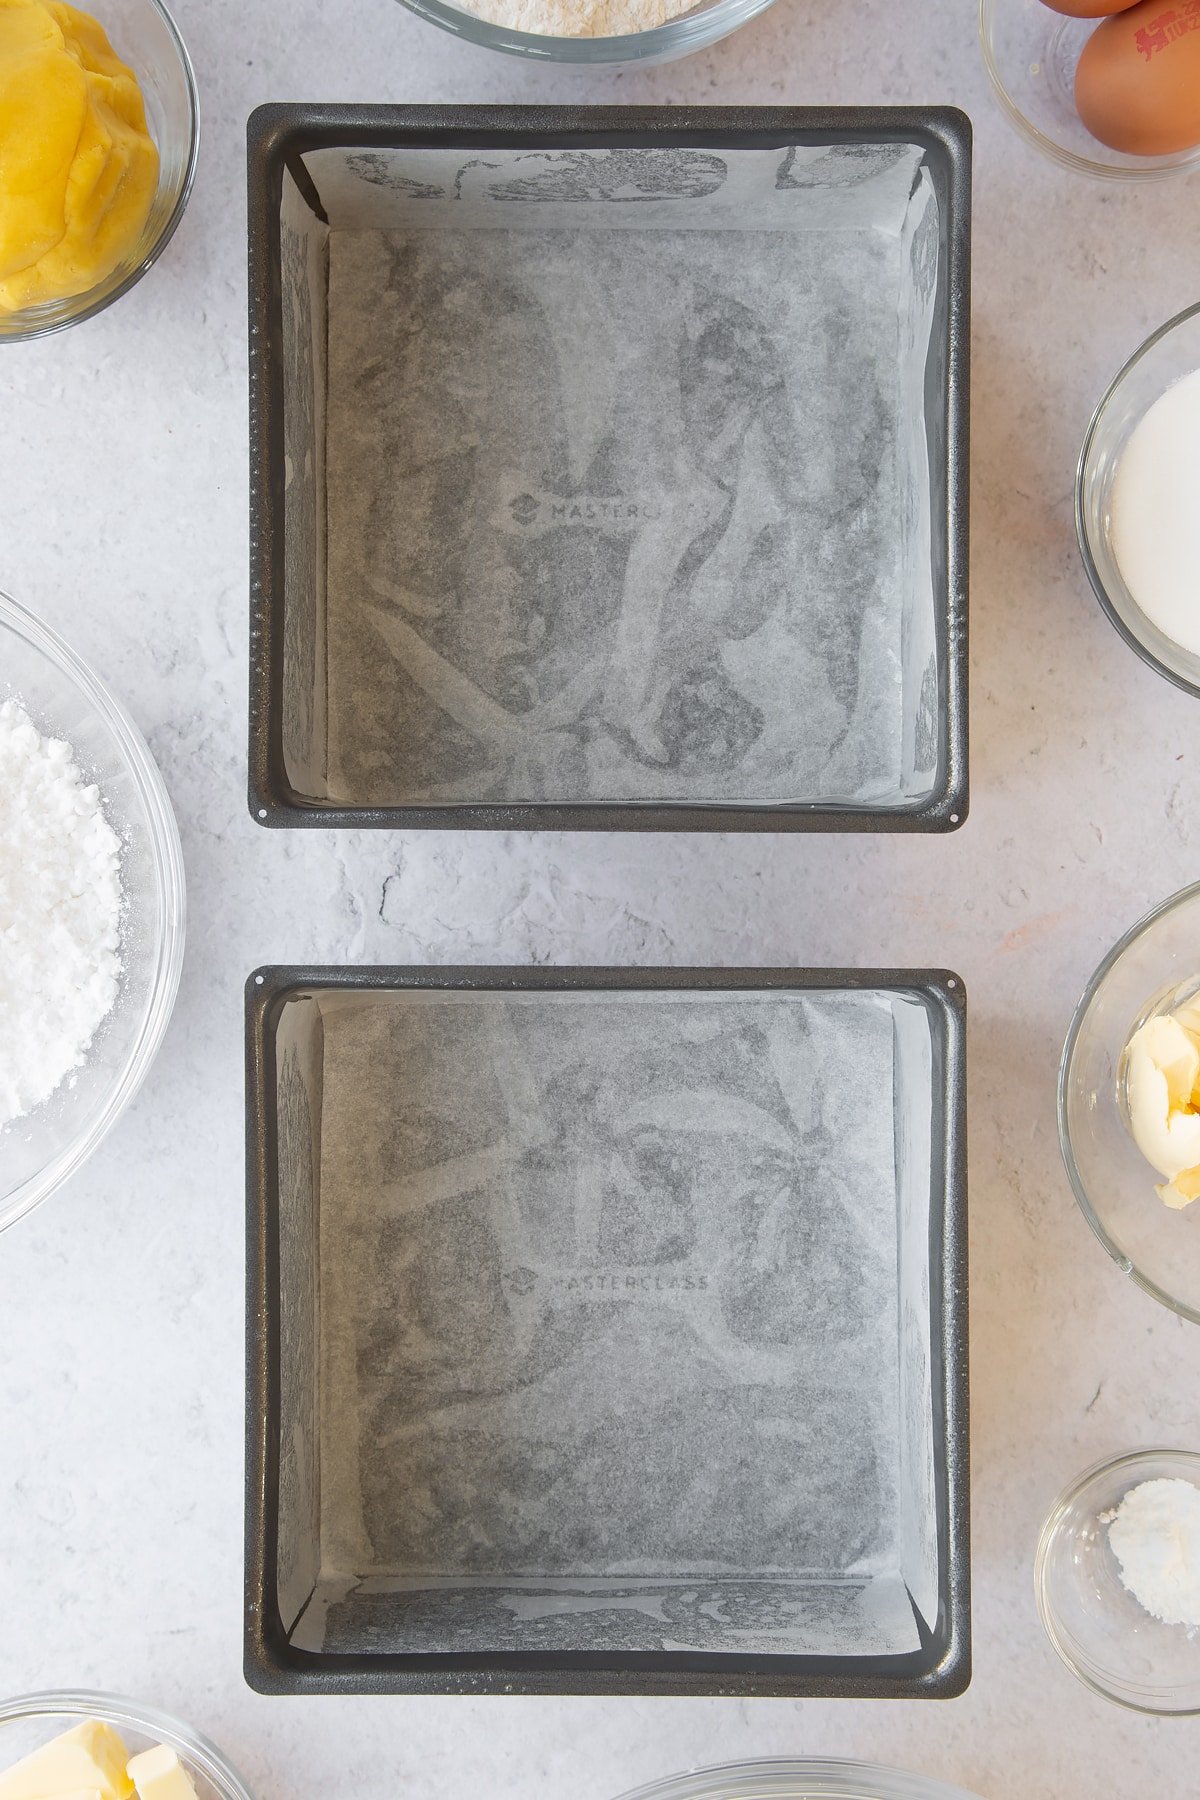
624 494
610 1323
299 1060
304 280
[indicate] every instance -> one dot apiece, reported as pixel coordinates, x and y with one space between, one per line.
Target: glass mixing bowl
65 699
1154 968
1101 1632
31 1720
1171 353
143 34
804 1778
1030 53
705 24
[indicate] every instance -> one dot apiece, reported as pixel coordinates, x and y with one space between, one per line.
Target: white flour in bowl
1155 1537
579 18
60 913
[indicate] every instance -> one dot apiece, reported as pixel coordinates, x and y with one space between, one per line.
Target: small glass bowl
801 1778
1102 1633
31 1720
1031 53
1172 352
708 21
1154 968
143 34
65 699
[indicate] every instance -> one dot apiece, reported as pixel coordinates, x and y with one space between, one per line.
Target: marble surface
123 508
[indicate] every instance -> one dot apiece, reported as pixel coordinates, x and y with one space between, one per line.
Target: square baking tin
609 467
607 1332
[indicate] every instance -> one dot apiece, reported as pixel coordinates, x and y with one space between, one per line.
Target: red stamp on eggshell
1167 29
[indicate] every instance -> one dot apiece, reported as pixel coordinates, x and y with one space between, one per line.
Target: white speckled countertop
123 507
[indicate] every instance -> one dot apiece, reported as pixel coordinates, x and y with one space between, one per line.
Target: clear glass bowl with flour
1106 1560
65 700
611 31
1136 510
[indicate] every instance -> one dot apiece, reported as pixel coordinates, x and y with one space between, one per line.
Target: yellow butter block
158 1774
88 1760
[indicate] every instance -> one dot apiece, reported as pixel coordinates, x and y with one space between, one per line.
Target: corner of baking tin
263 991
276 805
949 807
264 1669
948 987
951 127
263 807
952 1676
959 808
259 1665
258 981
255 1677
268 131
265 986
273 1666
957 127
950 811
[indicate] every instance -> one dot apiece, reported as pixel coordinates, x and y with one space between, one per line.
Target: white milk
1156 513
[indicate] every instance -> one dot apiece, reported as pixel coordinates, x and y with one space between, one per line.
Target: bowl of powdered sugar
1117 1576
591 31
91 911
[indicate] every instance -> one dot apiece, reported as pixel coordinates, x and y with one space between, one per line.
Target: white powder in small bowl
579 18
60 914
1155 1536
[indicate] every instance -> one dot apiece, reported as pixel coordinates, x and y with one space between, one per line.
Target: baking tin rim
272 1666
279 131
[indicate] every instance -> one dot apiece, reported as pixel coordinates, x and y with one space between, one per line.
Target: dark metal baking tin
940 1669
277 136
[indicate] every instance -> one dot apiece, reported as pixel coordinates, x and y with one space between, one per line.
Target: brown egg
1137 87
1088 9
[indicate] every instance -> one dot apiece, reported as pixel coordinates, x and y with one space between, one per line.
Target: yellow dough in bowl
78 167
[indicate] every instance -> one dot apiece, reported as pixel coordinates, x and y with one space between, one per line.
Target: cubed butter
89 1760
1163 1090
158 1774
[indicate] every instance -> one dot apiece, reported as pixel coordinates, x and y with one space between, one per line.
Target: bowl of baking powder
591 31
1117 1579
91 911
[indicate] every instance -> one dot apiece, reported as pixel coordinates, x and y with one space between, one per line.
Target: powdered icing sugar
1155 1536
579 18
60 908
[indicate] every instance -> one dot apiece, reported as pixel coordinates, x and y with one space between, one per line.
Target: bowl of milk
1137 511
